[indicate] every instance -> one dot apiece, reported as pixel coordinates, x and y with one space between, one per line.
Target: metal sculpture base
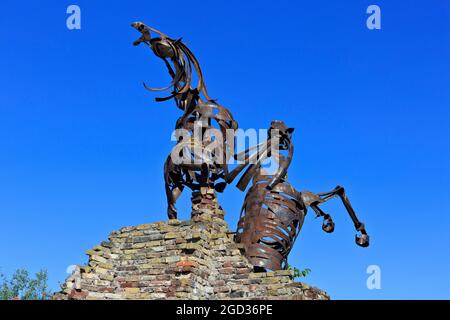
204 202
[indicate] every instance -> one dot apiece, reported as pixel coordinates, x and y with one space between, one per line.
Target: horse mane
181 67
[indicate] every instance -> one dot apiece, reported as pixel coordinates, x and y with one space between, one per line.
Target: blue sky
82 143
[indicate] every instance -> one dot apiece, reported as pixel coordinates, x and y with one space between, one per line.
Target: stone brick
194 259
174 222
171 235
78 294
98 258
132 290
172 259
147 238
144 226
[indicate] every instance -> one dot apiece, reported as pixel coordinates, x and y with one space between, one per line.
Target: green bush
299 273
22 286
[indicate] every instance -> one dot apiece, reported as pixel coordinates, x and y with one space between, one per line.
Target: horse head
180 63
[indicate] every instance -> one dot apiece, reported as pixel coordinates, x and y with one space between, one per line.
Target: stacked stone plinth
205 201
194 259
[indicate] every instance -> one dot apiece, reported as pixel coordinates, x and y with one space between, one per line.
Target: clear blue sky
82 143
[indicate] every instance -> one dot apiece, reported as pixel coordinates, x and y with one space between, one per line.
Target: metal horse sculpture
201 169
274 211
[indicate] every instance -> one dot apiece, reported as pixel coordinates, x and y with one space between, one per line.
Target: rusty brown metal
205 169
273 211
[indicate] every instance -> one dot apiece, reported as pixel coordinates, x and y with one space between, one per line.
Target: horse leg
314 200
328 223
173 185
173 192
362 239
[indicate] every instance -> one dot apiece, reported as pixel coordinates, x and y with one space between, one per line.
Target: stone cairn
193 259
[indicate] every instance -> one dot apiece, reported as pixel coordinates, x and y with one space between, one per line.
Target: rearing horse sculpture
273 211
202 166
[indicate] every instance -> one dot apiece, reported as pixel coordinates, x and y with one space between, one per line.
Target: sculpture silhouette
204 163
273 211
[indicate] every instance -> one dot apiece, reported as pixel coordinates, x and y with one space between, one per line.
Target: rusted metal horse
273 210
197 161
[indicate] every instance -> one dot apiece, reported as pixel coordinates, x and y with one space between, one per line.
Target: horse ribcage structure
269 223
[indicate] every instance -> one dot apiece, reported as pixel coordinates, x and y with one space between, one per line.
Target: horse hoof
328 226
362 240
171 214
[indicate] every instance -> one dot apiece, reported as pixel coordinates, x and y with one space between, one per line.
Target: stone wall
194 259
